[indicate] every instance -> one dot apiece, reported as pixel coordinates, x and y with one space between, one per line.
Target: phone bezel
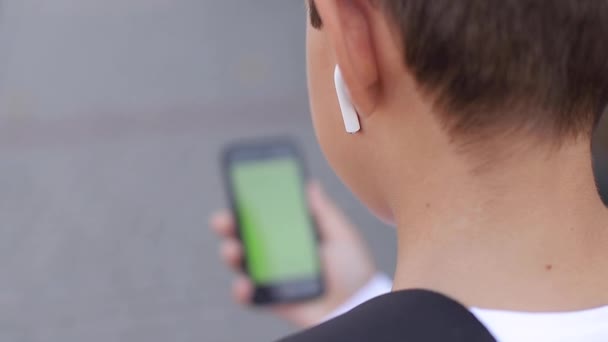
246 151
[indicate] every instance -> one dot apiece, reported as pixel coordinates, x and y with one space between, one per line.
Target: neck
526 236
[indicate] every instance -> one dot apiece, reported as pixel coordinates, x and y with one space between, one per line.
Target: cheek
324 106
323 102
351 156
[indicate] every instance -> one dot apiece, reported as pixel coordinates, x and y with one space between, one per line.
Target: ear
347 25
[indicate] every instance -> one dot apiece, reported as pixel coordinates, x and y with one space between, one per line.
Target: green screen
276 229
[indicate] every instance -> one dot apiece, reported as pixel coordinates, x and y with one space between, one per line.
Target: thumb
332 222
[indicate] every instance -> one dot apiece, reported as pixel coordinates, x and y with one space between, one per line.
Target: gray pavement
112 114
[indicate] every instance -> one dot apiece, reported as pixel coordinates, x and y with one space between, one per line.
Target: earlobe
349 113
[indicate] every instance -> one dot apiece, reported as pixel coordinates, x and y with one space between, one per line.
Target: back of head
484 69
487 63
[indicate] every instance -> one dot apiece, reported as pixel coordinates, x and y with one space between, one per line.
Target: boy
476 118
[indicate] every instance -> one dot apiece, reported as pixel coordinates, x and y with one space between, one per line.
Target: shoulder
413 315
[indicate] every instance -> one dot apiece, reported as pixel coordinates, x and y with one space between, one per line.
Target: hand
346 261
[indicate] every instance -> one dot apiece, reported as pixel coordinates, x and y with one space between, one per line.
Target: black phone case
284 292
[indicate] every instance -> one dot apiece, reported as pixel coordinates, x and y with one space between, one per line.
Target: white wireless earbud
349 113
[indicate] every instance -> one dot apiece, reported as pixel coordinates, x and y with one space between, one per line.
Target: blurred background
112 114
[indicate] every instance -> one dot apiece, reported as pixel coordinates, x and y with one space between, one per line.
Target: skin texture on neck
530 234
497 216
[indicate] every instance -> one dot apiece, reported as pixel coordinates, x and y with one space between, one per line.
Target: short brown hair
507 64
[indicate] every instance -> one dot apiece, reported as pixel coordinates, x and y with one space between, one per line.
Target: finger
242 290
332 222
223 224
231 252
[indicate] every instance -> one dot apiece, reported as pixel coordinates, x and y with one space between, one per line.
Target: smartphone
266 183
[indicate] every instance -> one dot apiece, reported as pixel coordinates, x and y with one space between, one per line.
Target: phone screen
275 226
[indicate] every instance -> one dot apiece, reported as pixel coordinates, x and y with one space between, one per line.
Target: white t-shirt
508 326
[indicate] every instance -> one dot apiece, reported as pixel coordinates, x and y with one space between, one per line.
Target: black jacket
413 315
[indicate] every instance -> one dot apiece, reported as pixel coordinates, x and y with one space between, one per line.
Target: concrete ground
104 235
112 115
